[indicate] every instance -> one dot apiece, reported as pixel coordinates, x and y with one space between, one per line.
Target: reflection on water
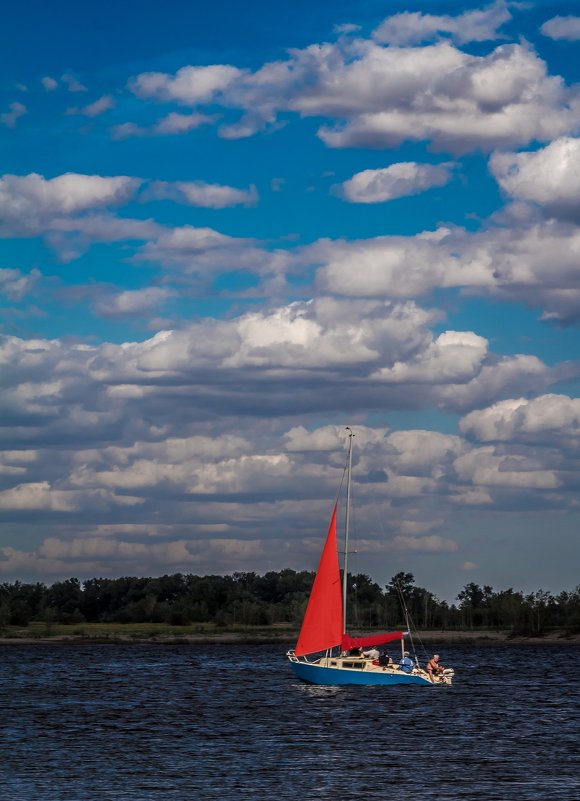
317 692
174 723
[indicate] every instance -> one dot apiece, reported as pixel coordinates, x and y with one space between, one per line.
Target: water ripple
174 723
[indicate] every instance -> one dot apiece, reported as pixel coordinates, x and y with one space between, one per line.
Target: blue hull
314 674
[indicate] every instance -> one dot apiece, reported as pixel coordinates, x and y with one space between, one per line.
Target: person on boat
406 663
385 660
433 667
372 653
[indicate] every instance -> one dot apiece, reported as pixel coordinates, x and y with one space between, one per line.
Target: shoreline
491 638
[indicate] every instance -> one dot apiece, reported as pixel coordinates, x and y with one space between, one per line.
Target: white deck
361 663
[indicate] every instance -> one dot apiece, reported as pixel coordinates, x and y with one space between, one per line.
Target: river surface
189 722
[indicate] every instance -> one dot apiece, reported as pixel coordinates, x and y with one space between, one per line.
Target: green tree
474 601
539 604
66 598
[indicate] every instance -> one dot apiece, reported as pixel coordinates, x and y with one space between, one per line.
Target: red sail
367 642
322 624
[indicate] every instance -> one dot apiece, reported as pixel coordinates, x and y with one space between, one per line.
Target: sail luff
322 624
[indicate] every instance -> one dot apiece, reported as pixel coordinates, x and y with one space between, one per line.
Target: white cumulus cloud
411 28
379 96
132 302
535 263
172 124
16 284
543 418
566 28
96 108
175 123
50 84
72 83
28 201
200 193
455 356
10 118
191 85
548 176
398 180
485 467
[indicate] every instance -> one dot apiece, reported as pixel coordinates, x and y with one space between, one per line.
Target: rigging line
345 468
405 610
339 490
354 593
354 561
410 625
408 618
344 474
340 486
346 531
418 635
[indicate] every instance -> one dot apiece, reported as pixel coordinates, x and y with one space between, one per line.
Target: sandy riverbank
236 637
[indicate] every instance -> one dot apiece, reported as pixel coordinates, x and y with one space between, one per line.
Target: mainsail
322 624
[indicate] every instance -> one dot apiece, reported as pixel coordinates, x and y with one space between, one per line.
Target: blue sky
227 232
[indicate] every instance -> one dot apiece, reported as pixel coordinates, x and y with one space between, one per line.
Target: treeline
245 599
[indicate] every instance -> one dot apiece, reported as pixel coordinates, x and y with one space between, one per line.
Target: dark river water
177 723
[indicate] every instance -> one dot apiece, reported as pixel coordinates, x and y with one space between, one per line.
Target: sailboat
325 654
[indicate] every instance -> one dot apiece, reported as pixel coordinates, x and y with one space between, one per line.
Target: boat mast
347 522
